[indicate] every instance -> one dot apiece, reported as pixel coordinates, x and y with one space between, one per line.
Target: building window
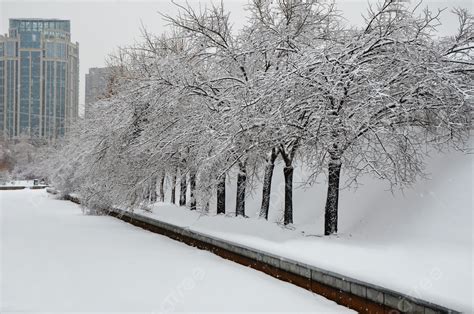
30 40
10 50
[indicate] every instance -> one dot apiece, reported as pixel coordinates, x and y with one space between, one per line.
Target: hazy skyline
100 27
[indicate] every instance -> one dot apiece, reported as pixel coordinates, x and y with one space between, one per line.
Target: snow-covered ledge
307 276
353 293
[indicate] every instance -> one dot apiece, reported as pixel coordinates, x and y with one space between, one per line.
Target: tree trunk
183 188
330 216
146 193
152 192
192 187
241 184
267 184
288 213
162 187
173 188
221 195
288 173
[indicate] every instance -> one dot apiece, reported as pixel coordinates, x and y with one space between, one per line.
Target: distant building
97 86
39 78
394 8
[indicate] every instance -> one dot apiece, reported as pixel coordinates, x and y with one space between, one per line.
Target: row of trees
17 154
295 85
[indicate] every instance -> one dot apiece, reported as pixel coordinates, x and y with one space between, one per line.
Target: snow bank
418 242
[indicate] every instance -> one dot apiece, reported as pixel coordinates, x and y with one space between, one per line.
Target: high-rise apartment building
39 78
98 82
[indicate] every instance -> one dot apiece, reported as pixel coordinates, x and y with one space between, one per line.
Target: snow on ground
54 258
419 242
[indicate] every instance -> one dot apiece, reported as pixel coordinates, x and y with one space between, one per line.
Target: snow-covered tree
189 108
385 94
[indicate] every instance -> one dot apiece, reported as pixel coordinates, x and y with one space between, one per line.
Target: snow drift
418 241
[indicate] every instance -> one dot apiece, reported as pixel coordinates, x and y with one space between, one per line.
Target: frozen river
54 258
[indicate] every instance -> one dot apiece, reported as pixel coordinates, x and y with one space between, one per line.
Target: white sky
101 26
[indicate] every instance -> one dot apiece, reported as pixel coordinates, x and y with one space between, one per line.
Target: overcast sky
101 26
